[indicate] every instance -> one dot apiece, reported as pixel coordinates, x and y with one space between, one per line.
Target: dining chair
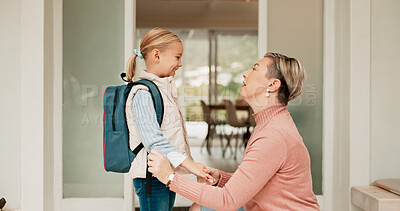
212 124
233 121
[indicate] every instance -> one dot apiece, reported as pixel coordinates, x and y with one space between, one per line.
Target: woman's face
171 59
255 81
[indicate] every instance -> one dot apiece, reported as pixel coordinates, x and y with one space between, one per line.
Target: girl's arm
149 130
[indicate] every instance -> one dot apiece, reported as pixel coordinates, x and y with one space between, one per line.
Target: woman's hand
197 169
159 166
213 172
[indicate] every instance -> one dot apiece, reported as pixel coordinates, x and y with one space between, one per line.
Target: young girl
162 52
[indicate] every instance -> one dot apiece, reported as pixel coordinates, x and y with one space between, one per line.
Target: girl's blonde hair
156 38
291 74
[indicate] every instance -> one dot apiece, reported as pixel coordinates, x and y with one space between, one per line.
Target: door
93 58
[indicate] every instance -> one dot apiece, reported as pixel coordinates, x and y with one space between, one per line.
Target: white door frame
58 102
346 100
129 45
75 204
328 104
33 55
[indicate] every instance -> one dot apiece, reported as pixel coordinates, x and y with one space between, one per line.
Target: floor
216 160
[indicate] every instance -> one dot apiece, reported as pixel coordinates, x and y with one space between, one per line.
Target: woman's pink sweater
274 174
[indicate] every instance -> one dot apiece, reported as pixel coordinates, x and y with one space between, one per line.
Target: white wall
385 86
25 126
10 109
365 46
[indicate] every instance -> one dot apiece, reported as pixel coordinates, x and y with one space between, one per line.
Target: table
212 127
243 107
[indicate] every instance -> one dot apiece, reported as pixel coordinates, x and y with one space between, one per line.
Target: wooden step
371 198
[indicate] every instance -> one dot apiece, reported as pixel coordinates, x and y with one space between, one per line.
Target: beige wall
385 86
10 106
197 14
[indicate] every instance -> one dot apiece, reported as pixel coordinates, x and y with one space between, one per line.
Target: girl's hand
159 166
197 169
213 172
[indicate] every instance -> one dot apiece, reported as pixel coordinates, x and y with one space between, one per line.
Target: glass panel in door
236 53
93 57
299 34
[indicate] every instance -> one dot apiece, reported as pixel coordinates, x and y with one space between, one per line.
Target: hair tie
138 53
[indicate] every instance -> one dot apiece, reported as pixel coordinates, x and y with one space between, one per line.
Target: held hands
160 167
197 169
213 172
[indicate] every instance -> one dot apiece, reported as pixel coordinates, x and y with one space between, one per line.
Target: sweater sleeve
264 157
223 178
149 129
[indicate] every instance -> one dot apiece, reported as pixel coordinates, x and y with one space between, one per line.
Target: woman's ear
155 55
274 85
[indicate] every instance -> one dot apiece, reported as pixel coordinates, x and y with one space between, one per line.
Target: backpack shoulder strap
155 95
159 107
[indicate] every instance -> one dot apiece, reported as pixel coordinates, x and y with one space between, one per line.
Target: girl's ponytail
131 68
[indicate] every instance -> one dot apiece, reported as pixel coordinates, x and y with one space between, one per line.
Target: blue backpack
117 155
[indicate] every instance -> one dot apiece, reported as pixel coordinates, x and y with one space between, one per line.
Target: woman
275 171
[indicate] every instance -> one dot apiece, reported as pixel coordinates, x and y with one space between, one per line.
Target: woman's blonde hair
291 74
156 38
